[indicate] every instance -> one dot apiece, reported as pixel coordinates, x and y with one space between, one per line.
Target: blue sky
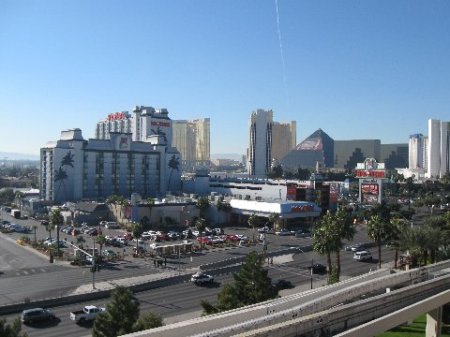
356 69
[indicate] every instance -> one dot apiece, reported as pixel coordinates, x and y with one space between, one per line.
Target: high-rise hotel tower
269 141
438 148
192 139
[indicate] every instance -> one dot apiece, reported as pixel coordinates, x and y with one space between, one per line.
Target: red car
232 238
205 239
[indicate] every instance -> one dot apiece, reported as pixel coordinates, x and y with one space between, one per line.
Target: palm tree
324 241
399 226
274 218
379 231
56 219
202 204
137 233
50 226
101 240
344 229
252 220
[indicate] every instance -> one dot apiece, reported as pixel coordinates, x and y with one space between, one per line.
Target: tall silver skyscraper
259 156
438 148
416 151
269 141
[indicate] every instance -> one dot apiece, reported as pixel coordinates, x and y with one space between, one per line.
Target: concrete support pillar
434 323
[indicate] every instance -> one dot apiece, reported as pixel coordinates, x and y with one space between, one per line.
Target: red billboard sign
370 173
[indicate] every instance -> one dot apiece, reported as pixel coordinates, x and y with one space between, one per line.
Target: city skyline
372 70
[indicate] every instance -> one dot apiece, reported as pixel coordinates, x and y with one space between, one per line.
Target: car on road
34 315
318 268
200 278
87 314
282 284
356 247
362 256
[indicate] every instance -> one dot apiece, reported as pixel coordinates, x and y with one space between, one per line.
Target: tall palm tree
138 229
202 205
274 218
56 219
252 220
101 240
379 231
324 241
396 240
344 229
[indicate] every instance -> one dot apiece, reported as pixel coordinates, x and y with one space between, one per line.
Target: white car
362 255
200 278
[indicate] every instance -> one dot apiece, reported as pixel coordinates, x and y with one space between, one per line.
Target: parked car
34 315
263 229
173 235
362 256
218 231
109 253
284 232
200 278
205 239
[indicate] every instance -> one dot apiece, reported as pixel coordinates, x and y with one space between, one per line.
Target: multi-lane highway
25 274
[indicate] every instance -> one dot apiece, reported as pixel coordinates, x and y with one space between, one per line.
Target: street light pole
93 265
311 273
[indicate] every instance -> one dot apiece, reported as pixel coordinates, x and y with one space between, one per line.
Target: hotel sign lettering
117 116
302 208
371 174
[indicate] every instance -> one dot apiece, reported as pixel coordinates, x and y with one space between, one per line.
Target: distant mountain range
234 156
17 156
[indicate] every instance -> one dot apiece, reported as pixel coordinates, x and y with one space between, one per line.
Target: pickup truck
88 313
200 278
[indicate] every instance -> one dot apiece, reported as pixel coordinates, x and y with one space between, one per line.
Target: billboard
370 192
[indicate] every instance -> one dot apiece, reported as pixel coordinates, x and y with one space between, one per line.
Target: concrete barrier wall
335 320
298 305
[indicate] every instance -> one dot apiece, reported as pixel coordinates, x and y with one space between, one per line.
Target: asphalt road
184 298
27 274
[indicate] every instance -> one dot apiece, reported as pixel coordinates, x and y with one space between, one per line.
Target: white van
362 256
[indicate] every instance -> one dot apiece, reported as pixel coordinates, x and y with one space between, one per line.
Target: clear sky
369 69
